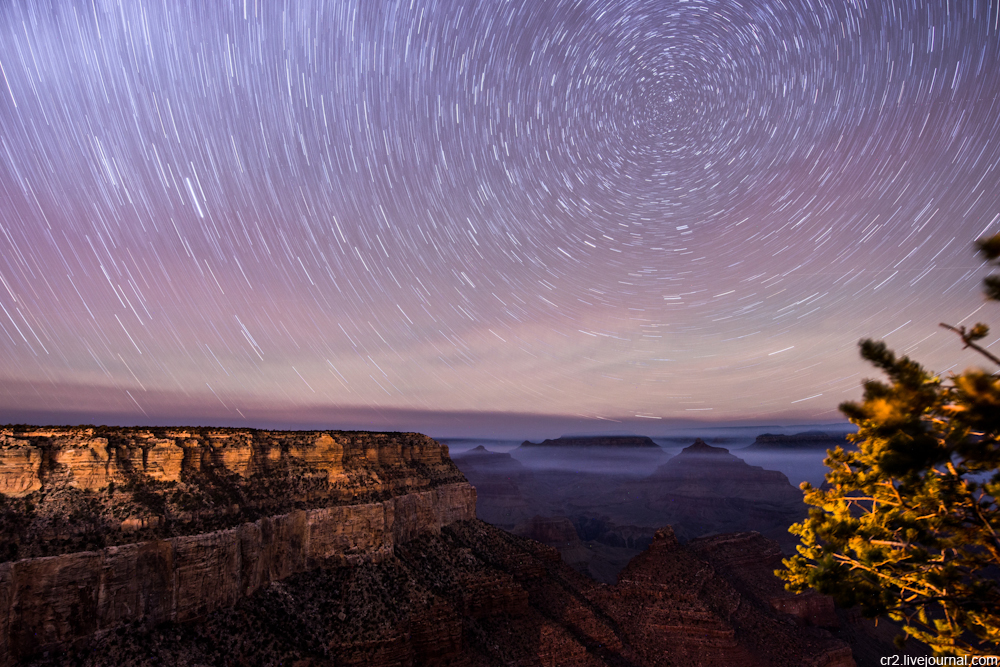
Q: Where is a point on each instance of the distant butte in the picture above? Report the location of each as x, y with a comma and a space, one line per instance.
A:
623, 441
701, 447
807, 440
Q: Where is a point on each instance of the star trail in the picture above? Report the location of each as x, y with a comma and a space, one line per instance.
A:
258, 212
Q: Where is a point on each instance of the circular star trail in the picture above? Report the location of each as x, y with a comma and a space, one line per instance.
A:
249, 212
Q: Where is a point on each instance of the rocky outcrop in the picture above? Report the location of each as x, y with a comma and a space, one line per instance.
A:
475, 595
107, 527
19, 468
558, 532
81, 489
689, 472
673, 600
92, 458
748, 561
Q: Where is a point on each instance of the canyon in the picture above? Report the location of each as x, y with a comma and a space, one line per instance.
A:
236, 546
617, 493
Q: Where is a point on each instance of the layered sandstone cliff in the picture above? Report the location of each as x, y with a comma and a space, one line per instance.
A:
64, 490
475, 595
91, 458
106, 527
319, 548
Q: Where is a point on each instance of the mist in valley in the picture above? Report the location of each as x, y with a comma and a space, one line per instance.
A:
600, 504
799, 465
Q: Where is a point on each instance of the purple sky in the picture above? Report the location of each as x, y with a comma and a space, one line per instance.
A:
436, 215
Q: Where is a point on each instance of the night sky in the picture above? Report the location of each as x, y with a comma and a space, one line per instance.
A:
409, 215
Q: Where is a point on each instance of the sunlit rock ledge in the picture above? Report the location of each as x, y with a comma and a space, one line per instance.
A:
71, 489
101, 527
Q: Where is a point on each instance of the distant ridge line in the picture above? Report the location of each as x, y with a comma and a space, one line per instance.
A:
622, 441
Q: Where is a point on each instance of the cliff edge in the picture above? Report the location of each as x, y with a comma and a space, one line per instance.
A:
104, 527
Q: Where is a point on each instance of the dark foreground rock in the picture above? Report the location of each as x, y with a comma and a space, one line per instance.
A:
475, 595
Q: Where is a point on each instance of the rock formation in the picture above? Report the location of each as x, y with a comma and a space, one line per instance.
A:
687, 474
705, 490
675, 606
558, 532
76, 489
748, 561
233, 546
472, 594
799, 441
106, 527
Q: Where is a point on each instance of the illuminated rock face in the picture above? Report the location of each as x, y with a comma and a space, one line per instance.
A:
19, 467
81, 489
91, 458
76, 489
112, 525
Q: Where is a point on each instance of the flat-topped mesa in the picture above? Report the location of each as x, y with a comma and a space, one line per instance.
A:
622, 441
806, 440
75, 488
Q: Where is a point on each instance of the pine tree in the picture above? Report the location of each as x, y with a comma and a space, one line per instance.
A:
908, 525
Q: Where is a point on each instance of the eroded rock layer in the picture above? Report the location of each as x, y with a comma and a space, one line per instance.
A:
50, 603
64, 490
474, 595
102, 527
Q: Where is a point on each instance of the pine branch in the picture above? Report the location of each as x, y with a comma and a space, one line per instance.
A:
966, 337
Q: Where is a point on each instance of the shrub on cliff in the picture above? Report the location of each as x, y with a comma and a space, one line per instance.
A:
908, 526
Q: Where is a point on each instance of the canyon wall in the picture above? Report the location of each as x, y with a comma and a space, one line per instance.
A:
345, 498
91, 458
475, 595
